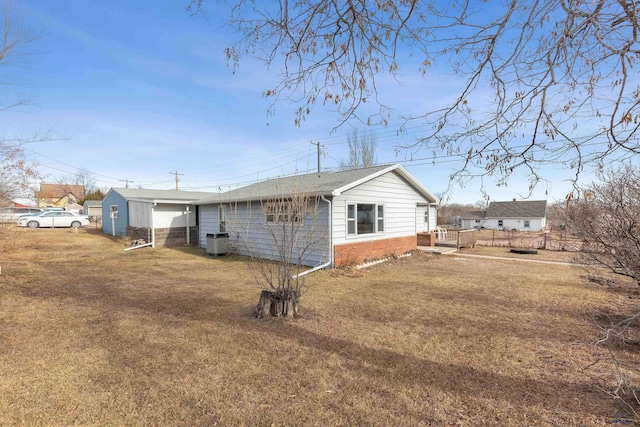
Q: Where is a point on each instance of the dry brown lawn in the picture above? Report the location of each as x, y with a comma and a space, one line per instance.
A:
93, 335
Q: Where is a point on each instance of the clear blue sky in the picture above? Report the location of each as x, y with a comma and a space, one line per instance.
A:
137, 89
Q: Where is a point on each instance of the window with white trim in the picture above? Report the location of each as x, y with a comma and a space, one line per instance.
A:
527, 223
113, 211
426, 215
500, 223
364, 218
284, 211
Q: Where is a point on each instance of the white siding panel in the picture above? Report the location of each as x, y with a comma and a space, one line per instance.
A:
171, 216
399, 198
421, 225
139, 214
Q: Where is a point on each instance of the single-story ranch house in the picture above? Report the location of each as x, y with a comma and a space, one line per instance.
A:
526, 215
160, 217
350, 216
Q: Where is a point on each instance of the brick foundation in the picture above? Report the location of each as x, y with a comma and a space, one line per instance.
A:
358, 253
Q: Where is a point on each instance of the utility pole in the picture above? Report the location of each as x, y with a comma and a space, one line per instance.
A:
317, 144
126, 182
176, 174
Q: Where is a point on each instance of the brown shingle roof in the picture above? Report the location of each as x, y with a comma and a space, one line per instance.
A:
58, 191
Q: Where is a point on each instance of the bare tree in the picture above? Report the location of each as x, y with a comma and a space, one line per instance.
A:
606, 218
281, 237
541, 82
84, 178
362, 151
17, 171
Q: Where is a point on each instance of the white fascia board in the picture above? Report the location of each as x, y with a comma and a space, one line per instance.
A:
401, 171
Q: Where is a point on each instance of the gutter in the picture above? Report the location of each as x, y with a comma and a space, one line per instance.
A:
330, 262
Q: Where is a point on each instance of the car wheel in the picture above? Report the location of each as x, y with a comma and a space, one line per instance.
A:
75, 224
33, 224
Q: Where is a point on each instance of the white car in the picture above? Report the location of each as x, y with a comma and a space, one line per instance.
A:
54, 219
12, 214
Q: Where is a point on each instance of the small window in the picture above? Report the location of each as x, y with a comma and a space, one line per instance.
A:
351, 220
284, 212
380, 219
113, 211
527, 224
222, 219
426, 216
271, 213
500, 223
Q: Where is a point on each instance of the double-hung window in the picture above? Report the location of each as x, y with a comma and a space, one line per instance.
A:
113, 211
364, 218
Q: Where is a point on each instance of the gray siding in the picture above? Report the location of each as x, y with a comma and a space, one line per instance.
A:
140, 214
249, 233
400, 200
120, 223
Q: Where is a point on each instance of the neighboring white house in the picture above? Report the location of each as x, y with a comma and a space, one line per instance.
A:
526, 215
161, 217
358, 215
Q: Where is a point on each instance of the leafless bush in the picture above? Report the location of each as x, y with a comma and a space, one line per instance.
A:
282, 237
606, 218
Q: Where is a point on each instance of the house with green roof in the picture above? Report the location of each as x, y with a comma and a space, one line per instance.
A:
352, 216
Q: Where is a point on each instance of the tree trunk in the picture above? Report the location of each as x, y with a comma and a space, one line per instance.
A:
276, 304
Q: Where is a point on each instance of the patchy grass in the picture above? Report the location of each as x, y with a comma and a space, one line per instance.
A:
91, 334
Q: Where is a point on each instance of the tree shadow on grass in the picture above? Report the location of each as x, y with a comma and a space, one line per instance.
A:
184, 306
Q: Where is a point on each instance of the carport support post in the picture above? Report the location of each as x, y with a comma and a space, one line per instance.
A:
153, 229
188, 234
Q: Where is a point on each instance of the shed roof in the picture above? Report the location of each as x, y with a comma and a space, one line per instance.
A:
517, 209
322, 184
168, 195
92, 203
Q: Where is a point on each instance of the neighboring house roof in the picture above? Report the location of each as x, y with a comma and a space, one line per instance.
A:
474, 215
321, 184
58, 191
160, 195
517, 209
92, 203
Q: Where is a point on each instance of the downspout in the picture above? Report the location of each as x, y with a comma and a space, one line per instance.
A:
330, 262
153, 229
